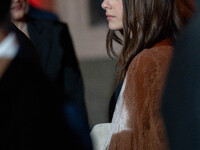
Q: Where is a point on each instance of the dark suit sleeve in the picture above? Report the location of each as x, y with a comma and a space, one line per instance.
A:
73, 82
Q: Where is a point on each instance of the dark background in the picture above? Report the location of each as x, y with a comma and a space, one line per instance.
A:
97, 13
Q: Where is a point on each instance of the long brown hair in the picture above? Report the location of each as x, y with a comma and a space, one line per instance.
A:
146, 22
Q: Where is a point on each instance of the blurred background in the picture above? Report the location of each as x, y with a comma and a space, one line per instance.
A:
88, 28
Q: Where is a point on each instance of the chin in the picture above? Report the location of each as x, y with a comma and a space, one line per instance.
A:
114, 27
18, 16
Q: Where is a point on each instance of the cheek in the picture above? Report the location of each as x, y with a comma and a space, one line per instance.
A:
115, 25
120, 11
120, 16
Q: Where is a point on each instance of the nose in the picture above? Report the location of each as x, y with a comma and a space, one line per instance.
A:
106, 4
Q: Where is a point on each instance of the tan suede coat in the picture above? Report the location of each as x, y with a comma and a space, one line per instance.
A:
137, 122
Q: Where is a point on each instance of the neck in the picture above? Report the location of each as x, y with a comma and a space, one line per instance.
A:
20, 24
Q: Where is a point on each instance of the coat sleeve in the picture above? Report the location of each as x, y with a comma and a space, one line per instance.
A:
71, 74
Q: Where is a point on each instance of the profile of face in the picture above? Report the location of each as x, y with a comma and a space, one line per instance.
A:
18, 9
114, 13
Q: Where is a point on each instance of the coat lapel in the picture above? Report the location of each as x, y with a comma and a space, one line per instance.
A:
40, 40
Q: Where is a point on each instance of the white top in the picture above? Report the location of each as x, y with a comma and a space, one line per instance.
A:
9, 46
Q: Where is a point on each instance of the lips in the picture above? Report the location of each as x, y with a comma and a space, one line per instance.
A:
16, 6
109, 17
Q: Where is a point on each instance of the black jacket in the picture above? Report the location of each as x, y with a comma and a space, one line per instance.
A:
54, 45
33, 112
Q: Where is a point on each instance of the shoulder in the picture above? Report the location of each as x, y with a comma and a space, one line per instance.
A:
148, 69
47, 24
150, 63
155, 55
27, 50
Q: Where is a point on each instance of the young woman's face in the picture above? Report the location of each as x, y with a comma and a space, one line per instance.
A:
18, 9
114, 13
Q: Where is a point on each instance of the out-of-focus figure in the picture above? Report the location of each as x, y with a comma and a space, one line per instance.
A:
54, 45
181, 99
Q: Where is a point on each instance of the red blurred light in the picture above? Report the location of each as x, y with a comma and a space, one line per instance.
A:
36, 3
43, 4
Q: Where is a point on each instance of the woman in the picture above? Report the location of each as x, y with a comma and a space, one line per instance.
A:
54, 45
148, 30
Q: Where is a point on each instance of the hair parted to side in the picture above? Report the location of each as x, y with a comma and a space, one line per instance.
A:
4, 11
146, 22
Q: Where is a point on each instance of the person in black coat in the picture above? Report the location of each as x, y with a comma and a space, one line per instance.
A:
34, 114
54, 45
